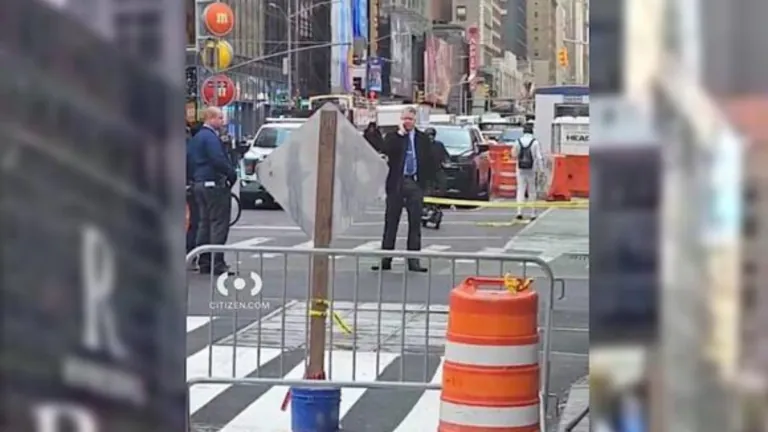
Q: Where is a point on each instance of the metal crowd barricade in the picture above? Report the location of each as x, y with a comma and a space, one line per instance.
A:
307, 254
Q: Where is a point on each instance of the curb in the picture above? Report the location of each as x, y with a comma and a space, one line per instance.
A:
576, 401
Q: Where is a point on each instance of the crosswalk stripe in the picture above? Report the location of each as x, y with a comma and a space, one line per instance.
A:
367, 246
253, 242
341, 368
487, 250
422, 416
237, 408
195, 322
430, 248
248, 360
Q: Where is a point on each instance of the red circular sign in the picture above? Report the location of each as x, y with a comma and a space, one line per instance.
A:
219, 19
218, 90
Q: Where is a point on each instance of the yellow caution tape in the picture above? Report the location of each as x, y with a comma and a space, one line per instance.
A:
322, 313
579, 204
517, 285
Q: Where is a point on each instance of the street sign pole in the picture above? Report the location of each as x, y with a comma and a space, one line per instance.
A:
326, 166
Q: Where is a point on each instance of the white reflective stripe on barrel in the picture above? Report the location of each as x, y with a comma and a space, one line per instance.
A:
490, 417
492, 355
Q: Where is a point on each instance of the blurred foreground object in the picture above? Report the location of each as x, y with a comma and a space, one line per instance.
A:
748, 115
92, 279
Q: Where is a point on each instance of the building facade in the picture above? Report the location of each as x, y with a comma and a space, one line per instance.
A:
261, 84
399, 31
312, 68
562, 73
515, 27
446, 67
487, 16
542, 39
508, 78
441, 11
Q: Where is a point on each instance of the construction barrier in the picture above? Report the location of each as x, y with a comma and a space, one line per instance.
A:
559, 185
578, 175
561, 178
503, 171
491, 369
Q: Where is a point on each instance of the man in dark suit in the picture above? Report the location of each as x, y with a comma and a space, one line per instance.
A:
212, 178
411, 169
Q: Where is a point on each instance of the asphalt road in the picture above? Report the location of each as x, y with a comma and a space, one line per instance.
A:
399, 322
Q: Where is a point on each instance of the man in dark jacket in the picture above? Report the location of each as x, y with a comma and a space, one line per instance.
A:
194, 217
213, 175
411, 171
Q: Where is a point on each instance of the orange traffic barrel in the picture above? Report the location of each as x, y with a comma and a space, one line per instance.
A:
491, 369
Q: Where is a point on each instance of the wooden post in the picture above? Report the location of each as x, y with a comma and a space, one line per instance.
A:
326, 166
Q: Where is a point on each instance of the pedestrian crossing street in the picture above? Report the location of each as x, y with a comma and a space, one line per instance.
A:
258, 408
462, 247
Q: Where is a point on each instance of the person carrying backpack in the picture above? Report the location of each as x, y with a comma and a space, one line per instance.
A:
528, 154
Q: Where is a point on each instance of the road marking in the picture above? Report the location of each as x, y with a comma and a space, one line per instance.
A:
306, 245
367, 246
422, 416
430, 248
266, 227
512, 240
487, 250
344, 362
194, 322
254, 242
248, 360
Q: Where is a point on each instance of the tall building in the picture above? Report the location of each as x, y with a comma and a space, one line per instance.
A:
575, 16
441, 11
559, 73
487, 16
401, 30
515, 27
542, 44
312, 68
445, 67
421, 8
255, 82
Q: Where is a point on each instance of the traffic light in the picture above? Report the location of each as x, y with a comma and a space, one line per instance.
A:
562, 57
420, 96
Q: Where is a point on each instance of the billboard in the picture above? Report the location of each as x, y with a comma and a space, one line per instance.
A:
401, 47
457, 66
438, 71
360, 19
341, 55
374, 74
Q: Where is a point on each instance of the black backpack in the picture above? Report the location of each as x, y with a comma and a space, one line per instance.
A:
525, 156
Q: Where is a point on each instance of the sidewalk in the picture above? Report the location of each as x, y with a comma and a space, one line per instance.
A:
578, 400
556, 232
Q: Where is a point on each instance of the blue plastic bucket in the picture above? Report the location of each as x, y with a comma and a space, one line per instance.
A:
315, 409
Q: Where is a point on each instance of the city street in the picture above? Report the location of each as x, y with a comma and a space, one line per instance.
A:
398, 319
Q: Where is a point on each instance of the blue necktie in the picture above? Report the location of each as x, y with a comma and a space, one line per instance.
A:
410, 157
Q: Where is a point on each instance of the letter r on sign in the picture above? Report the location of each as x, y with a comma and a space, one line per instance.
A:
60, 417
99, 281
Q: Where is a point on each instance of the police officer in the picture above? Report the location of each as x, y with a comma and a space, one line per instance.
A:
213, 175
191, 203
